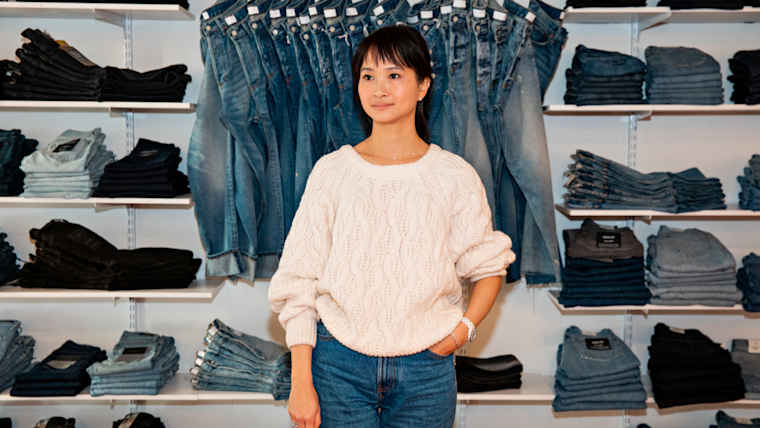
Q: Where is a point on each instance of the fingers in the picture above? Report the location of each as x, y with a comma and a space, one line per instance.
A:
318, 420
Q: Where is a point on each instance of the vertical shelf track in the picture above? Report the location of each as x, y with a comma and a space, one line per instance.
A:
461, 412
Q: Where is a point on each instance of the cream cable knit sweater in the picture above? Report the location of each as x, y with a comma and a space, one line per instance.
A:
377, 252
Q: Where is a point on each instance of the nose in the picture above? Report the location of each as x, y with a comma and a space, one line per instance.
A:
381, 88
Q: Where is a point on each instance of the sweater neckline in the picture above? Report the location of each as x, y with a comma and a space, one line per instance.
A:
391, 171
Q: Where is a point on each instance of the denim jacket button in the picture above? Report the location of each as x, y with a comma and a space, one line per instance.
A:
379, 22
477, 28
351, 28
306, 37
234, 33
255, 25
275, 32
425, 28
332, 29
293, 29
208, 28
314, 26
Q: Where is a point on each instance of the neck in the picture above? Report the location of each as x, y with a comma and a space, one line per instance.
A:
394, 140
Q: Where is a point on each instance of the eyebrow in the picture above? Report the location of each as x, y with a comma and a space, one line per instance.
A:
395, 67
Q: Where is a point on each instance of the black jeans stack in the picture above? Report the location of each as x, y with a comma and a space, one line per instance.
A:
50, 72
13, 148
702, 4
606, 3
150, 171
5, 423
687, 367
56, 422
600, 77
695, 192
749, 197
748, 281
62, 373
488, 374
139, 420
746, 78
72, 256
604, 266
8, 266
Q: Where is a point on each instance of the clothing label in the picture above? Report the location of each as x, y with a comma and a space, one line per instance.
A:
607, 227
677, 330
378, 10
588, 333
460, 4
743, 421
330, 13
753, 346
198, 362
63, 362
75, 54
479, 13
213, 331
608, 239
291, 13
128, 420
130, 355
499, 16
530, 17
146, 153
351, 11
274, 14
65, 147
602, 344
237, 333
413, 19
231, 19
42, 424
86, 238
201, 354
205, 15
253, 10
313, 11
562, 16
446, 9
426, 14
194, 370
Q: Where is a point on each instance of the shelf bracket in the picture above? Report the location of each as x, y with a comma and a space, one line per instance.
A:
109, 17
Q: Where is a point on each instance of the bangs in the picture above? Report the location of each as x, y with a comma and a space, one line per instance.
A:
382, 49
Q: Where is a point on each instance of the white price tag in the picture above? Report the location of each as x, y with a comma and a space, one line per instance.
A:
213, 331
677, 330
460, 4
274, 14
378, 10
562, 16
201, 354
588, 333
290, 13
446, 9
198, 362
351, 11
499, 16
313, 11
530, 17
426, 14
230, 20
304, 20
479, 13
205, 15
330, 13
753, 346
194, 370
253, 10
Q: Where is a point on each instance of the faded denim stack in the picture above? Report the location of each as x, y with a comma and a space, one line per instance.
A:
600, 77
16, 352
680, 75
749, 197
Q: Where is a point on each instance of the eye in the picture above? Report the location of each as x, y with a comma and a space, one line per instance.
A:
367, 77
395, 76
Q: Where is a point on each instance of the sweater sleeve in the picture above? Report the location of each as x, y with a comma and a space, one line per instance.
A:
293, 288
479, 251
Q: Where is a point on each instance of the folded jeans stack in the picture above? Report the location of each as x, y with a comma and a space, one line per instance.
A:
598, 183
13, 147
56, 422
748, 281
72, 256
695, 192
8, 266
62, 373
702, 4
149, 171
686, 367
16, 352
690, 267
746, 353
725, 421
605, 3
680, 75
600, 77
746, 78
235, 361
167, 84
140, 364
139, 420
749, 197
5, 423
604, 266
488, 374
597, 371
69, 167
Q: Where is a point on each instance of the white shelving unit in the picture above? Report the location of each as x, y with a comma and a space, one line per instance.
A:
645, 309
203, 289
731, 213
95, 106
101, 11
643, 111
647, 17
184, 201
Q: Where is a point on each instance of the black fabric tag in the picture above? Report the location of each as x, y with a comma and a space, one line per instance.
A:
65, 147
132, 354
86, 238
608, 239
601, 344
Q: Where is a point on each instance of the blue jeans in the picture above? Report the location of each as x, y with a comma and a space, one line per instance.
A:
72, 151
725, 421
17, 359
548, 38
679, 61
154, 347
433, 33
690, 250
262, 351
357, 391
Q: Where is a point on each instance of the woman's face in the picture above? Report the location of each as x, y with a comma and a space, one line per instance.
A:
389, 93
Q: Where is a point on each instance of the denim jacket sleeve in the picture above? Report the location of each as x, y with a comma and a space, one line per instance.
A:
293, 288
478, 250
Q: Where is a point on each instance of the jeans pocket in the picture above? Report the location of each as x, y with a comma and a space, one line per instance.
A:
323, 334
435, 356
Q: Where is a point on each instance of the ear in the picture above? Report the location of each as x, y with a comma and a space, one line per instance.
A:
424, 87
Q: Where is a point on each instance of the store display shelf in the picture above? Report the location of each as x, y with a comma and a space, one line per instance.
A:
94, 106
645, 309
737, 403
707, 16
536, 388
101, 11
184, 201
646, 110
203, 289
731, 213
651, 16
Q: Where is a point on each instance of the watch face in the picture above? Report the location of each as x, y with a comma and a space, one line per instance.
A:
472, 336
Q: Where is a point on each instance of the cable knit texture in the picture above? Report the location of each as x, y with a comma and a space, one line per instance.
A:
379, 252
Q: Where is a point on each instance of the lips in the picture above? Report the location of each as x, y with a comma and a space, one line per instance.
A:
381, 106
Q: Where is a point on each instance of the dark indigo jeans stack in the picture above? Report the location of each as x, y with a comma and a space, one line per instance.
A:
62, 373
13, 148
597, 371
749, 197
598, 183
702, 4
149, 171
56, 422
748, 281
746, 78
47, 71
72, 256
749, 360
604, 266
606, 3
686, 367
680, 75
139, 420
600, 77
488, 374
8, 266
695, 192
5, 423
725, 421
690, 267
235, 361
16, 352
69, 167
140, 364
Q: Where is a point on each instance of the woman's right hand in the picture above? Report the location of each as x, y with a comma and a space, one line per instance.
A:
303, 405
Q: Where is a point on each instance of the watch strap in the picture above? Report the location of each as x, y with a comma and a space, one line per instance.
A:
470, 328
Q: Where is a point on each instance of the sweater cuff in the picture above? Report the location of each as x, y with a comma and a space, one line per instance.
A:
302, 330
475, 279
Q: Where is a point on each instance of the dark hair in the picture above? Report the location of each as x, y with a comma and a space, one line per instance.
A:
403, 46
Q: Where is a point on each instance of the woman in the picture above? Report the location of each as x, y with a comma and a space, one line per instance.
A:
368, 287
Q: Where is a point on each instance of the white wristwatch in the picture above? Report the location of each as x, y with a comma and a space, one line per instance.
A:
471, 330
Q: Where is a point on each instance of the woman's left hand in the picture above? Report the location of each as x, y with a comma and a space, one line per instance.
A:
447, 346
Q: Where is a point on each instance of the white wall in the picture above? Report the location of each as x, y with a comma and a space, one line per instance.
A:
523, 322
